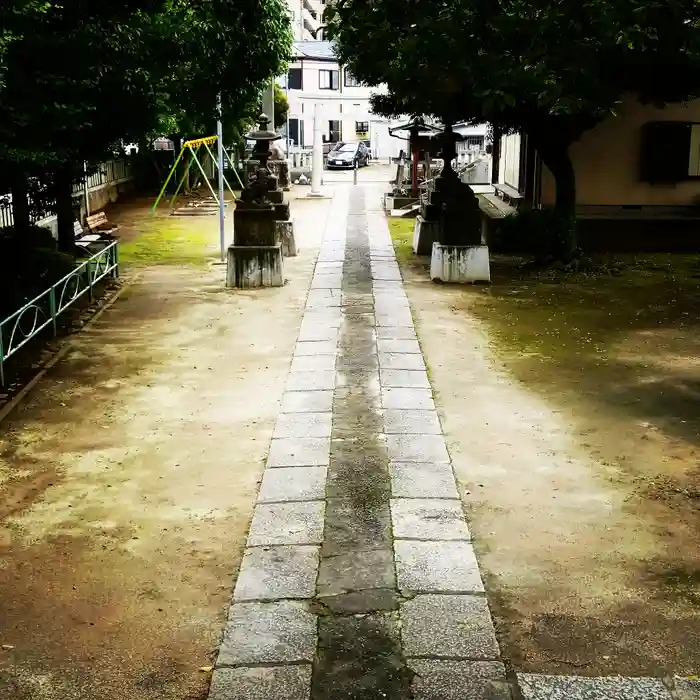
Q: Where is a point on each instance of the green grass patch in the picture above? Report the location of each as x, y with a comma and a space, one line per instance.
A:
170, 240
401, 231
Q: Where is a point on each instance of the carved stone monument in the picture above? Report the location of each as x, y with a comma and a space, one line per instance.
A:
458, 254
260, 223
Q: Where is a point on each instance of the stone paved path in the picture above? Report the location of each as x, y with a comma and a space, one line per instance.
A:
359, 580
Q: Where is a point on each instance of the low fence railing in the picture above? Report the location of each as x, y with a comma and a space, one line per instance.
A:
44, 310
111, 172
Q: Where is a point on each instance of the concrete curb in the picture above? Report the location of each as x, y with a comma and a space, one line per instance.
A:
10, 406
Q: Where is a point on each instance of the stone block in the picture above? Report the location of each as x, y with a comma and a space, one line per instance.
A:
437, 567
543, 687
408, 378
451, 626
460, 264
293, 484
425, 233
268, 633
287, 523
356, 571
261, 683
249, 267
427, 480
458, 680
416, 448
400, 398
299, 452
415, 422
254, 227
285, 236
307, 401
277, 573
428, 519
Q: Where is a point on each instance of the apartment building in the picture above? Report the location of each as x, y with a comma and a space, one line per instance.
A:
316, 78
307, 19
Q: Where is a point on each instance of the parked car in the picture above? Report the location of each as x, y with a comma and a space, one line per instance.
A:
348, 155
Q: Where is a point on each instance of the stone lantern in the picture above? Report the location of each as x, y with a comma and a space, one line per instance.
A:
458, 253
262, 230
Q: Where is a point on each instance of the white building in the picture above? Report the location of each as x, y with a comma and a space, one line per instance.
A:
316, 78
307, 19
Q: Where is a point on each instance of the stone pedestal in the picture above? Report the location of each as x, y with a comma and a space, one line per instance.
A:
425, 233
284, 231
460, 264
254, 266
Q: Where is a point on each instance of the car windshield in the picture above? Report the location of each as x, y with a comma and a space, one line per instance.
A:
346, 148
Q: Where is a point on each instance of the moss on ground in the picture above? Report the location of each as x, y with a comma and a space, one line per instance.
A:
401, 231
171, 240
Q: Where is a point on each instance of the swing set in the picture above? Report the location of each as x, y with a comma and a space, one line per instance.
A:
194, 147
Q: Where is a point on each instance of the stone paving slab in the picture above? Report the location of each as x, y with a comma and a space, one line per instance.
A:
310, 424
293, 484
299, 452
275, 573
542, 687
687, 688
428, 519
287, 523
268, 633
422, 480
356, 571
408, 399
303, 401
417, 448
409, 379
397, 333
262, 683
401, 345
312, 348
319, 333
415, 422
401, 360
442, 567
328, 281
315, 380
449, 626
310, 363
459, 680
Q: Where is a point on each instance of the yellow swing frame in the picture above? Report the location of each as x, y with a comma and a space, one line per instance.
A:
193, 146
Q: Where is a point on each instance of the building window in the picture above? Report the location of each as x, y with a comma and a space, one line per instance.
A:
361, 129
294, 79
670, 152
328, 79
334, 131
351, 80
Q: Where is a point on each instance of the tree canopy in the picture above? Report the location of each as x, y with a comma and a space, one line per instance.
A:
549, 68
78, 79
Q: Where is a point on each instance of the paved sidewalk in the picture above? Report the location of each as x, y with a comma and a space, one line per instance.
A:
359, 580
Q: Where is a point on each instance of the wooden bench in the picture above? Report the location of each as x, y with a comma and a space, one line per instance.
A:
508, 194
97, 223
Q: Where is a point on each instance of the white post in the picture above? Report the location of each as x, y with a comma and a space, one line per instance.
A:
222, 205
86, 190
317, 157
269, 104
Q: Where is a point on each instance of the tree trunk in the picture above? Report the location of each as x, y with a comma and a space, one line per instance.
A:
20, 201
556, 158
63, 181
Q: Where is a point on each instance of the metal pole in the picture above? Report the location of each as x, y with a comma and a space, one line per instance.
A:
354, 174
222, 204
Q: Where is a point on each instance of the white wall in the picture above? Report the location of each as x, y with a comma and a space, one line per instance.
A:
346, 104
509, 161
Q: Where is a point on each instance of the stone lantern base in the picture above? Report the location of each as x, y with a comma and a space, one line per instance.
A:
425, 233
251, 266
461, 264
284, 234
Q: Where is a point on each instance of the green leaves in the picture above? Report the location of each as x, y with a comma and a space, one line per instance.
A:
533, 65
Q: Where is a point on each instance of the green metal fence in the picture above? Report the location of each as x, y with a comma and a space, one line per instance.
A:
42, 311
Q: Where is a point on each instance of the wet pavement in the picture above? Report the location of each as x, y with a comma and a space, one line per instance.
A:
359, 579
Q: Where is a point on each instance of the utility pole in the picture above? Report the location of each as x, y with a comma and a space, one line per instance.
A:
220, 155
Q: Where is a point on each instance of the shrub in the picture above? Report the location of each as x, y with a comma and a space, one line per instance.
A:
29, 264
539, 232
